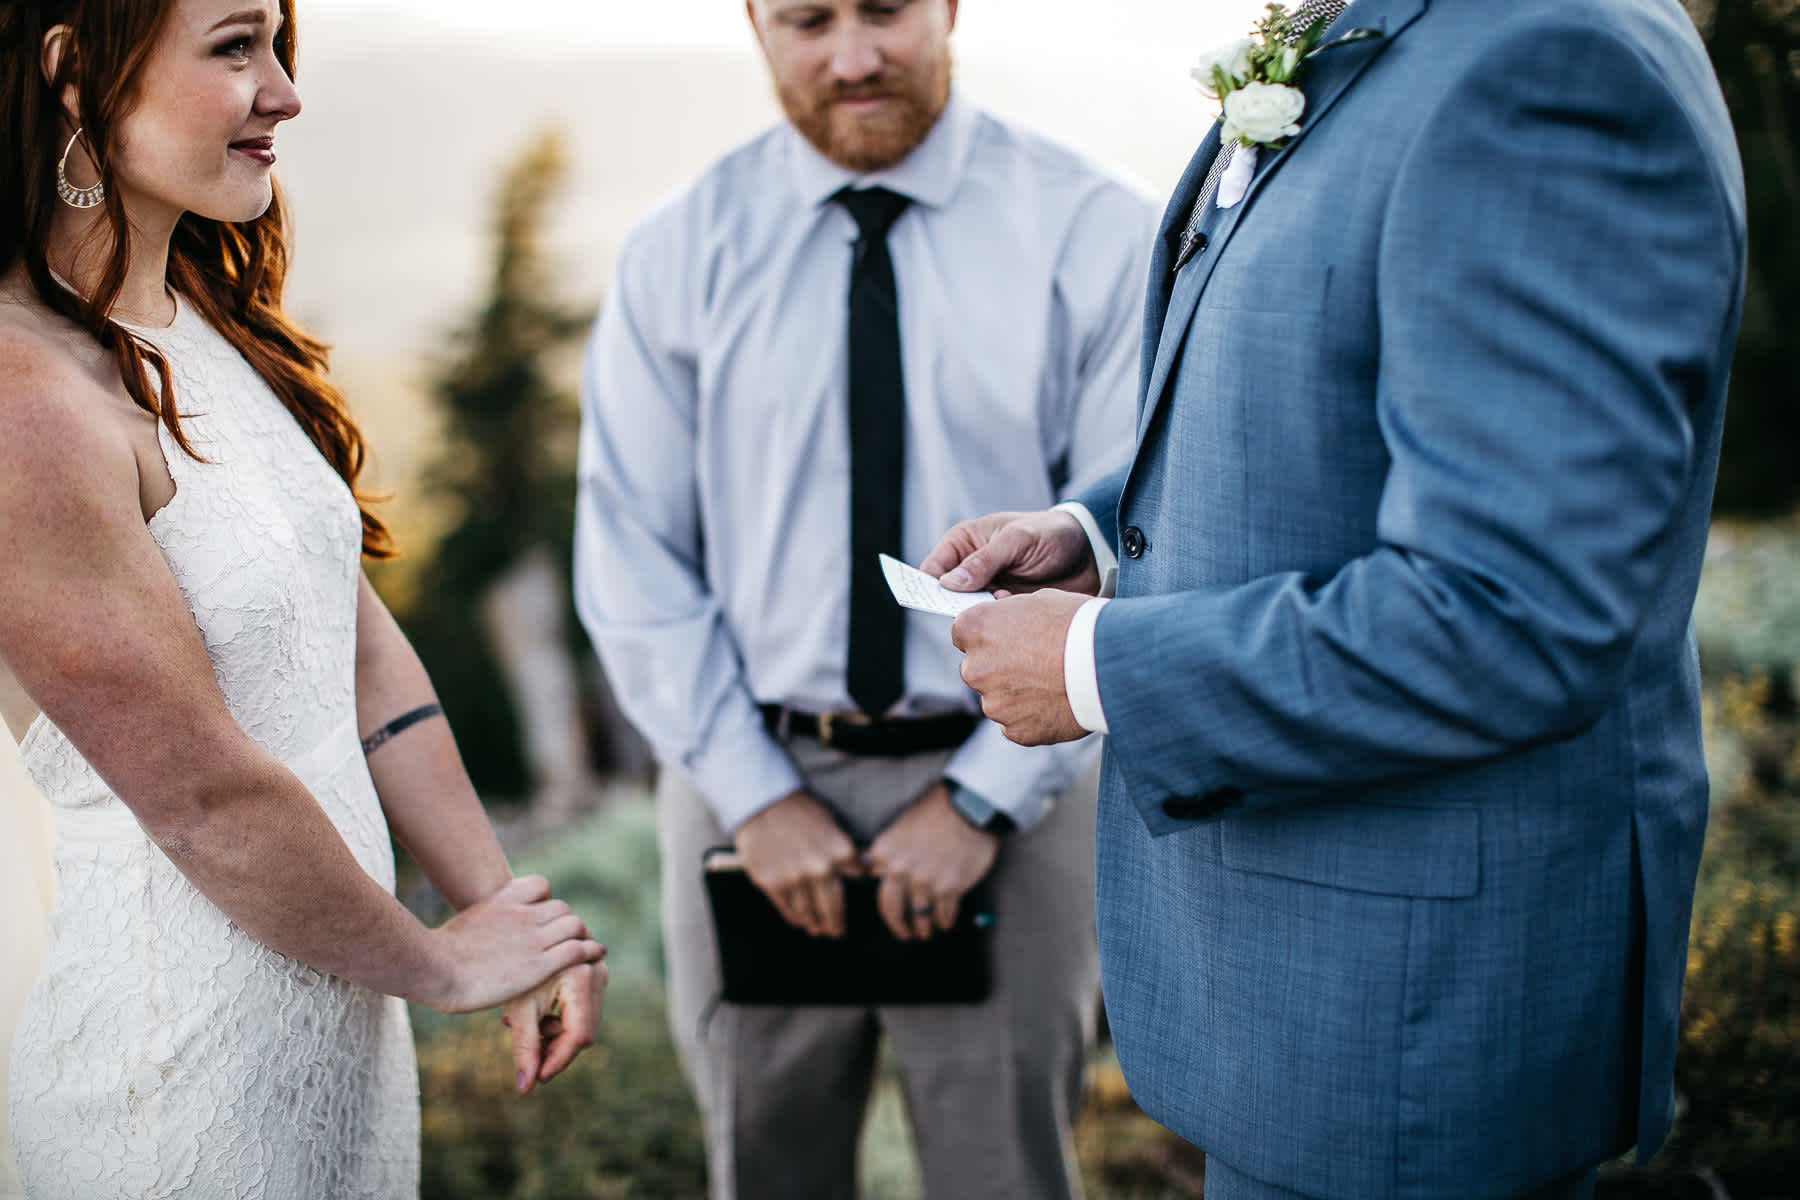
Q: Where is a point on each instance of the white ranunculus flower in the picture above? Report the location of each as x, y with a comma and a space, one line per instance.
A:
1233, 59
1261, 113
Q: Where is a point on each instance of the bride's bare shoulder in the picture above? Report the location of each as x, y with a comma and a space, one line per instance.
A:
61, 428
36, 335
53, 381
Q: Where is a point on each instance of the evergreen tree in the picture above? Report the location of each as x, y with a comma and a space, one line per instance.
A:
508, 459
1755, 48
505, 471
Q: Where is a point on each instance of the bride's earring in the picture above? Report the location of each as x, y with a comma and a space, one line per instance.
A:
74, 197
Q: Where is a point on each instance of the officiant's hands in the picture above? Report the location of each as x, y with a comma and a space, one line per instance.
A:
796, 852
1014, 552
1013, 655
928, 859
555, 1022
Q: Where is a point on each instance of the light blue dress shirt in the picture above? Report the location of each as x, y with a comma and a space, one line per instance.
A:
712, 529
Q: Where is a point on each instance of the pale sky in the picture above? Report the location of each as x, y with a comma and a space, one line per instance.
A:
1158, 34
412, 106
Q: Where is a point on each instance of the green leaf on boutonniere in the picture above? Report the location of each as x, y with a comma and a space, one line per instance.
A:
1255, 79
1315, 33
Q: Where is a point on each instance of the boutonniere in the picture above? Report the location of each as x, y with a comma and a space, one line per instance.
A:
1253, 80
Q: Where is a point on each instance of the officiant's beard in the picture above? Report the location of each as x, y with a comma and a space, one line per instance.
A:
878, 140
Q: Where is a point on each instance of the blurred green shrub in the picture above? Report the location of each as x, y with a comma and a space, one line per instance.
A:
1748, 610
1738, 1069
503, 472
1737, 1073
618, 1125
1755, 48
1124, 1155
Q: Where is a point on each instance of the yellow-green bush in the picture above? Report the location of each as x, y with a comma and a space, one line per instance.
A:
621, 1125
1738, 1069
618, 1125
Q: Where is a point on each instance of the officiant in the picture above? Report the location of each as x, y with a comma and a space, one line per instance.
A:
889, 312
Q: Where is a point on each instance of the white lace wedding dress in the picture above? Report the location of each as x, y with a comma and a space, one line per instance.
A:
162, 1052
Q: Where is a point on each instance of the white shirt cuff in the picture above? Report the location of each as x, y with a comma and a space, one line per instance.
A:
1105, 561
1081, 679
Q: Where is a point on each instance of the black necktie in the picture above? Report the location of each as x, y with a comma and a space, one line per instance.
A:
876, 669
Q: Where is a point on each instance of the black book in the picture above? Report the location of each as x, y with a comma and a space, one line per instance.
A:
764, 960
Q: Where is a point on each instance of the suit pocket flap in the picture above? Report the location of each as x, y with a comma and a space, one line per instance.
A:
1430, 852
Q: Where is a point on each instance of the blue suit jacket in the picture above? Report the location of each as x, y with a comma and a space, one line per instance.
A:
1404, 794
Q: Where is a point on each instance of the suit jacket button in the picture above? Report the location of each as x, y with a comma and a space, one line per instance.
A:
1132, 542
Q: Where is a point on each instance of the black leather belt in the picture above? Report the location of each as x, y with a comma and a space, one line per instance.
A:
881, 737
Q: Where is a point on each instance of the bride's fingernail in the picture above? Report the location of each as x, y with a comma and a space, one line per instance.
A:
522, 1081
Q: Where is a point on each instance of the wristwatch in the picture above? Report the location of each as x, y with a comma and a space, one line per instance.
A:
974, 808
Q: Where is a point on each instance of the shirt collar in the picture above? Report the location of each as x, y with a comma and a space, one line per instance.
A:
929, 175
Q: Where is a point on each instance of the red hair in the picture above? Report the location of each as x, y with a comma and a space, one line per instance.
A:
231, 274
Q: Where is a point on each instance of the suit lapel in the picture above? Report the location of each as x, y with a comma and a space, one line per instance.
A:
1327, 78
1168, 241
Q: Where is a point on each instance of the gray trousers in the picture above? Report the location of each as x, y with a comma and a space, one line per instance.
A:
991, 1090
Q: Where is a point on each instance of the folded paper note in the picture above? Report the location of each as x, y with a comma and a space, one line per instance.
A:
915, 589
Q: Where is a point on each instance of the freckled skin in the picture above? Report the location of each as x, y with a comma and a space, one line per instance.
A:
94, 631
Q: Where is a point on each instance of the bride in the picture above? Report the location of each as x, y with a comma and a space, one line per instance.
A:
225, 719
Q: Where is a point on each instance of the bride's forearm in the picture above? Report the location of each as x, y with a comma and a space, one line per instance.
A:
431, 806
258, 846
101, 638
435, 814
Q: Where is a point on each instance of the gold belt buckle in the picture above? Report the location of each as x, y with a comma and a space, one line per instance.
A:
830, 721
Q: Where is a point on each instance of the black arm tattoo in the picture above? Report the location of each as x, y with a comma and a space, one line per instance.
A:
399, 725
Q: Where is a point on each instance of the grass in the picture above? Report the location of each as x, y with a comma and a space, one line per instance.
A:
620, 1124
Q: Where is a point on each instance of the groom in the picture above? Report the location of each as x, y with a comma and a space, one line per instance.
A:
1403, 794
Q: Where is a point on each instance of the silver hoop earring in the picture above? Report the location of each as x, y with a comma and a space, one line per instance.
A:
74, 197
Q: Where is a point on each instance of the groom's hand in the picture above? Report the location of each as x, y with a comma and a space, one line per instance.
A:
797, 854
1013, 655
1015, 552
